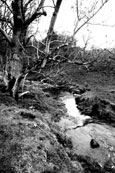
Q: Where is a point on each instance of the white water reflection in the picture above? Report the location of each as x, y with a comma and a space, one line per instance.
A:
73, 111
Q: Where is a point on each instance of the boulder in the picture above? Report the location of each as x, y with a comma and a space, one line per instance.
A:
97, 108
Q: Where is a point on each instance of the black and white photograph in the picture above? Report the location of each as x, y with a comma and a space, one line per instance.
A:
57, 86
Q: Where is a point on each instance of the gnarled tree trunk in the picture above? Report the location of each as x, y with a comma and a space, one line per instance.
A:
20, 23
14, 64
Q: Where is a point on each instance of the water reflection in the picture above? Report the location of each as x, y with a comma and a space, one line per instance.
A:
81, 137
73, 111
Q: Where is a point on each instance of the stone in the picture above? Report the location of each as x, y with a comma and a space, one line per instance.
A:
94, 144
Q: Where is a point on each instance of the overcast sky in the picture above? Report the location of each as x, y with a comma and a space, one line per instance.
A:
100, 36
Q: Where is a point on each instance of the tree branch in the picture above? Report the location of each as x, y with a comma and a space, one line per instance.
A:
77, 9
3, 19
53, 3
89, 18
4, 1
98, 24
25, 7
36, 14
6, 36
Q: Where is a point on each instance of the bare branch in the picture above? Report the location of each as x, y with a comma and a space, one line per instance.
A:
36, 48
111, 54
98, 24
89, 18
5, 35
41, 5
54, 3
50, 31
4, 19
36, 14
77, 9
27, 4
4, 1
81, 63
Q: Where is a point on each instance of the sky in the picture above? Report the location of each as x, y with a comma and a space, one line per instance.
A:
99, 36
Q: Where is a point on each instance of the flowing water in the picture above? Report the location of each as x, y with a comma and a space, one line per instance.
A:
81, 135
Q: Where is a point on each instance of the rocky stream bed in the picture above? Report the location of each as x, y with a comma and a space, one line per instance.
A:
56, 129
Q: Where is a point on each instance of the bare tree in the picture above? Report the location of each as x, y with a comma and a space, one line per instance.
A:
50, 31
84, 14
21, 14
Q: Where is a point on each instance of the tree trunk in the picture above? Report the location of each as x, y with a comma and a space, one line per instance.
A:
50, 32
14, 65
14, 68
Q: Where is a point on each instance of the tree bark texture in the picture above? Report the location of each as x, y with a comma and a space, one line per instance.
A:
14, 64
50, 32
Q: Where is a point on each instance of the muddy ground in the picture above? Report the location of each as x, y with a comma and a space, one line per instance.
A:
30, 139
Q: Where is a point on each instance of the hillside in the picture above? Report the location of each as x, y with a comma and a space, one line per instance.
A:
31, 140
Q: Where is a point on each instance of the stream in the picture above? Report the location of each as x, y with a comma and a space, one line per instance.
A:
81, 134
